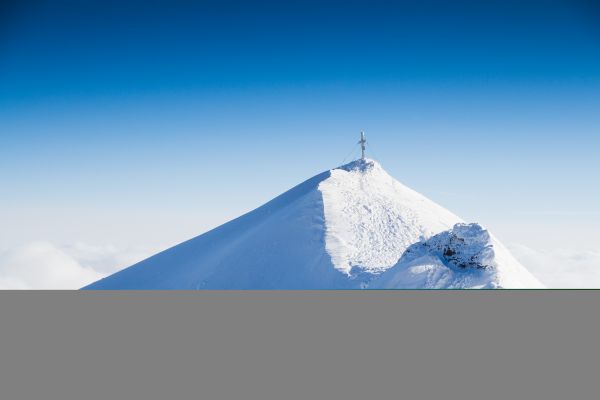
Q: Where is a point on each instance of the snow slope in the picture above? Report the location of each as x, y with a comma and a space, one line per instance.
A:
466, 256
371, 218
342, 229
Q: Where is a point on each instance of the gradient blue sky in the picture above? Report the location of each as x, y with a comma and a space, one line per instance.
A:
146, 123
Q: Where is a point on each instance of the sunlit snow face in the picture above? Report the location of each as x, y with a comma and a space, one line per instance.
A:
371, 218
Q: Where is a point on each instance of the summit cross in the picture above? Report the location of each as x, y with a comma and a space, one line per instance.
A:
362, 143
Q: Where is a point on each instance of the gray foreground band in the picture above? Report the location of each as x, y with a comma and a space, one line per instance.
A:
300, 345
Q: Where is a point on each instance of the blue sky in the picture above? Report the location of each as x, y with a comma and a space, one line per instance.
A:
149, 122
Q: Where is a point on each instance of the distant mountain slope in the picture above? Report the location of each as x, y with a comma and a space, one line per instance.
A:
343, 229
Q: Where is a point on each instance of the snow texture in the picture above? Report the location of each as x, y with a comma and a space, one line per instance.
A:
371, 218
465, 257
349, 228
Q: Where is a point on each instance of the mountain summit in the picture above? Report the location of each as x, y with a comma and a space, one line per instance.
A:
348, 228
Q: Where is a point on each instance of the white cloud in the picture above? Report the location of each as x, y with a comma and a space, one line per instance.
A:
560, 268
106, 259
42, 265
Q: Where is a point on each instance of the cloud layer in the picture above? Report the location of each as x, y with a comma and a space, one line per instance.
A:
560, 268
42, 265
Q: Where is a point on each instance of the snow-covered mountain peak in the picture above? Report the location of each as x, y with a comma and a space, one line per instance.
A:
354, 226
361, 165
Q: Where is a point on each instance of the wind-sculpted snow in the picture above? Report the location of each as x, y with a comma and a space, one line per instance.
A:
371, 218
347, 228
466, 256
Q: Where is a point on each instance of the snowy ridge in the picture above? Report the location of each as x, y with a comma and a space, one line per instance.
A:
280, 245
349, 228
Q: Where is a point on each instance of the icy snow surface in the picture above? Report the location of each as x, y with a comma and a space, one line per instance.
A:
371, 218
342, 229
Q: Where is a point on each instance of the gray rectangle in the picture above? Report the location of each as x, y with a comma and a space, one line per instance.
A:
300, 345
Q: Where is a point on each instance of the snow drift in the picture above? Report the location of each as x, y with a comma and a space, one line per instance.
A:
352, 227
371, 218
466, 256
